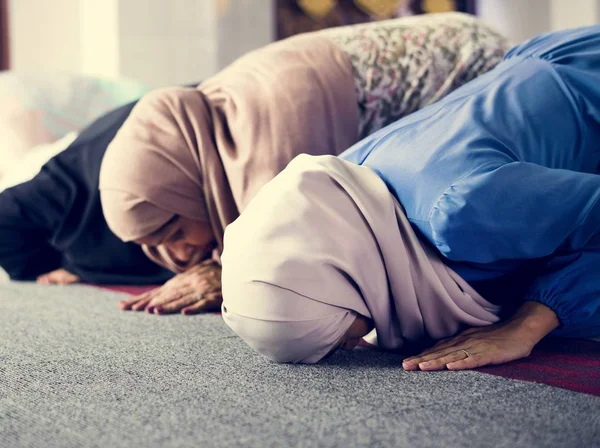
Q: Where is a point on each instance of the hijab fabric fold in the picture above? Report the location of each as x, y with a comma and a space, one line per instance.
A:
326, 241
204, 153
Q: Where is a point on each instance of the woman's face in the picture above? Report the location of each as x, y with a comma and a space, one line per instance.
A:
361, 327
184, 239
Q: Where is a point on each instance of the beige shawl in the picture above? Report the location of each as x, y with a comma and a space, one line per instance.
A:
341, 246
204, 153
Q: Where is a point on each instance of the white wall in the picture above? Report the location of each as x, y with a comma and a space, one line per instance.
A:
44, 35
573, 13
168, 42
159, 42
523, 19
239, 19
99, 37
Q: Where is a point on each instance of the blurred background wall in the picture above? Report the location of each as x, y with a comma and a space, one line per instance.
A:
523, 19
162, 42
159, 42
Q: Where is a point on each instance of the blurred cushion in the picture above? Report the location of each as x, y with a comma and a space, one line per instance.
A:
42, 108
29, 165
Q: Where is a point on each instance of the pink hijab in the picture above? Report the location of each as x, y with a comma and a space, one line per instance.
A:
323, 242
204, 153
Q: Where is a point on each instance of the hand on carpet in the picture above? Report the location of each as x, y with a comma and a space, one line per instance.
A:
194, 291
58, 277
495, 344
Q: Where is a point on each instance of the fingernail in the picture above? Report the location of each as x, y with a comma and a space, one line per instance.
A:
158, 310
150, 309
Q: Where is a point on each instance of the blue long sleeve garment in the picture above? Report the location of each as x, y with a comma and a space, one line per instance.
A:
502, 176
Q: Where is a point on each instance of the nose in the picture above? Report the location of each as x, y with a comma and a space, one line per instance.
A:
181, 251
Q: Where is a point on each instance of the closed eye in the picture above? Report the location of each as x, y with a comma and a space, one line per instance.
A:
175, 237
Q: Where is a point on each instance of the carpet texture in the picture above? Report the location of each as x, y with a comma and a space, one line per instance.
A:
572, 364
76, 371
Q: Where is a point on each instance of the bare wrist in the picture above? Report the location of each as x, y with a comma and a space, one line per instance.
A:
535, 321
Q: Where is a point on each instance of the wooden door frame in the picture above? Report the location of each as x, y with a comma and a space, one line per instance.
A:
4, 36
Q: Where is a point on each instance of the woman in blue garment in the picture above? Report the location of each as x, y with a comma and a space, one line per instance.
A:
502, 178
512, 197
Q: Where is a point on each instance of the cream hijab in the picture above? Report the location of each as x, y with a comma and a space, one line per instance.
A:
204, 153
323, 242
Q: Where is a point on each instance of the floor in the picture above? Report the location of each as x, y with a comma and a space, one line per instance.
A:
76, 371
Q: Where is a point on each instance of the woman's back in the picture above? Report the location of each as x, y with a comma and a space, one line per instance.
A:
55, 220
532, 117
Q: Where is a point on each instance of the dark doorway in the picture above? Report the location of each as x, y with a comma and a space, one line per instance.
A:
4, 56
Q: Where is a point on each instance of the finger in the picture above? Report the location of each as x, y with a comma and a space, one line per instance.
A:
470, 362
176, 305
43, 279
140, 305
205, 287
126, 304
48, 279
440, 363
440, 345
53, 280
204, 305
170, 296
68, 279
414, 363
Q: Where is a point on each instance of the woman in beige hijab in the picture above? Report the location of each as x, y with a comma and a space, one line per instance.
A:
187, 161
486, 240
340, 259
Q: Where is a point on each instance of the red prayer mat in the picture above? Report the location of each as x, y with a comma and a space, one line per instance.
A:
133, 290
572, 364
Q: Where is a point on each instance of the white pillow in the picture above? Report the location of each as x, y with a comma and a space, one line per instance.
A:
41, 108
24, 168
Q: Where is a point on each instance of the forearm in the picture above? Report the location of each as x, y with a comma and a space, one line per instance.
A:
570, 286
533, 321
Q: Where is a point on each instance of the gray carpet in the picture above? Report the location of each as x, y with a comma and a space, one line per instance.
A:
76, 371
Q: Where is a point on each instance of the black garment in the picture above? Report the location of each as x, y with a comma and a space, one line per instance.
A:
55, 220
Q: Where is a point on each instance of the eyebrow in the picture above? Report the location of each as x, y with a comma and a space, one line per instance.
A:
158, 233
173, 236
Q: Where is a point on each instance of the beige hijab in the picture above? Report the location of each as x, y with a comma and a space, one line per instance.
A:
324, 242
204, 153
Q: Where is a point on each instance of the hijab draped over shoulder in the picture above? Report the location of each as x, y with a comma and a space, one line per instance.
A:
334, 243
203, 153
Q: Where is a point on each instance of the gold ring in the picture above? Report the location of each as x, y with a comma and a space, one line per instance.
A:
466, 352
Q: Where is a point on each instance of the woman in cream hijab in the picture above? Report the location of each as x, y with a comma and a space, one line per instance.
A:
500, 211
335, 258
188, 161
